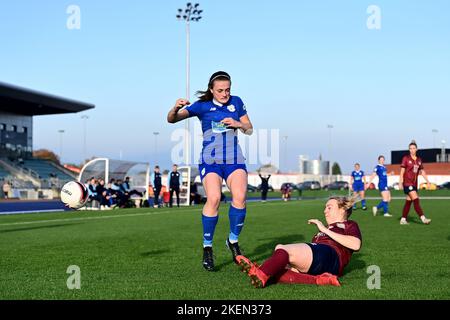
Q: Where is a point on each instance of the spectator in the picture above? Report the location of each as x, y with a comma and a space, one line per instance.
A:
6, 189
92, 188
156, 181
264, 187
127, 188
118, 191
151, 195
104, 195
175, 180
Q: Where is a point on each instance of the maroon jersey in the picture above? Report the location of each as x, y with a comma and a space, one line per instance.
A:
348, 228
412, 170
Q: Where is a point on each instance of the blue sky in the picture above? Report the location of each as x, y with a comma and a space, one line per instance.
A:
298, 66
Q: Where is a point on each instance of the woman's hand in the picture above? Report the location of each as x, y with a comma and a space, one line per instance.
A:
180, 103
231, 123
319, 225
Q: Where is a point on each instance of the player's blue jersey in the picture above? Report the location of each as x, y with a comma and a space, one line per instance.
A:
358, 177
220, 144
382, 175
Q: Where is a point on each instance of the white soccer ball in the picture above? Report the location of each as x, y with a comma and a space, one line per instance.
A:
74, 194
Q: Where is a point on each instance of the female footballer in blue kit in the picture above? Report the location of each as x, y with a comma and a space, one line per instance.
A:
221, 114
357, 185
381, 172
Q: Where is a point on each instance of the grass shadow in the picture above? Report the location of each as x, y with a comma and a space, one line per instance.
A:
356, 263
39, 227
266, 249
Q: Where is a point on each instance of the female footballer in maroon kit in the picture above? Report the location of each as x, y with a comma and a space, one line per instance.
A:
411, 167
319, 262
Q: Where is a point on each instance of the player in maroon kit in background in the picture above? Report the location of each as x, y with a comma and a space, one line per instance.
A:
411, 167
319, 262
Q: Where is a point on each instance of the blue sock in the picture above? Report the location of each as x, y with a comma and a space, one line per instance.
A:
385, 206
380, 205
237, 217
209, 225
363, 202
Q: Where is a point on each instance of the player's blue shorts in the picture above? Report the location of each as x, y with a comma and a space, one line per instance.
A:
409, 189
383, 187
325, 259
223, 170
357, 187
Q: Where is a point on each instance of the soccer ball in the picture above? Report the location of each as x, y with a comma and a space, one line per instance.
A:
74, 194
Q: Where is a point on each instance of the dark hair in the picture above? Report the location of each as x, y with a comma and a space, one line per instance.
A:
207, 95
156, 167
357, 164
413, 143
381, 156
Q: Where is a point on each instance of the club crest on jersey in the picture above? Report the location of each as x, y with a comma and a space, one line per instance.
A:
231, 108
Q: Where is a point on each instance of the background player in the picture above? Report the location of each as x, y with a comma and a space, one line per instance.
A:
221, 114
411, 167
357, 181
381, 172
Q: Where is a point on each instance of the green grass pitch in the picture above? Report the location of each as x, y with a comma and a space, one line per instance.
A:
156, 254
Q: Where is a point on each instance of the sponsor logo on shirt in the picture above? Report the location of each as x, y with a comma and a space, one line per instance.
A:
219, 127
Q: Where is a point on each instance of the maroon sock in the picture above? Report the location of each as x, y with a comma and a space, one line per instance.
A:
276, 263
290, 276
406, 209
417, 207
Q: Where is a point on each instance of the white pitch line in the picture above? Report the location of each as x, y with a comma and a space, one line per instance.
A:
81, 218
5, 213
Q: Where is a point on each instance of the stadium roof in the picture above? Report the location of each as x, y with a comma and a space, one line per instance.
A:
18, 100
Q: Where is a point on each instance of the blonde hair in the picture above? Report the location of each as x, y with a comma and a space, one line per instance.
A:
345, 203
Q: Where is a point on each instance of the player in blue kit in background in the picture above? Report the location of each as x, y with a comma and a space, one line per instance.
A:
381, 172
221, 115
357, 182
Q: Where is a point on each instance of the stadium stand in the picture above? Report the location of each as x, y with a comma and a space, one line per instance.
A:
3, 173
46, 170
